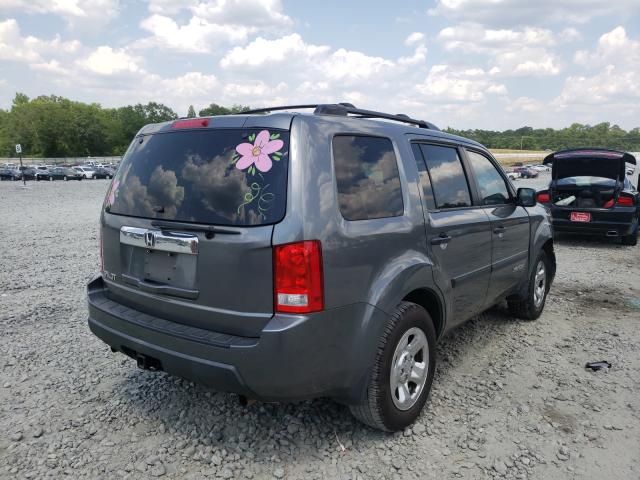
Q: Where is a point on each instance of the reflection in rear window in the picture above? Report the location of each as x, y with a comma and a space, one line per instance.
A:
220, 177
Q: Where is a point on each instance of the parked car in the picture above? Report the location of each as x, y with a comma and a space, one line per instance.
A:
103, 172
540, 168
86, 171
64, 173
630, 170
41, 172
513, 175
590, 194
10, 173
29, 173
526, 172
285, 256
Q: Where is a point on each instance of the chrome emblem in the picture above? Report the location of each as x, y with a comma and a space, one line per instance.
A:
150, 239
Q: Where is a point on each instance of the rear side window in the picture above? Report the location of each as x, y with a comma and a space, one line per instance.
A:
448, 180
232, 177
493, 188
367, 177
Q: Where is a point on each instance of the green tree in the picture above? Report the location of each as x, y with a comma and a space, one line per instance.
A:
191, 113
215, 109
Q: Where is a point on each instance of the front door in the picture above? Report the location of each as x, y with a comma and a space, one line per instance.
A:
509, 226
458, 233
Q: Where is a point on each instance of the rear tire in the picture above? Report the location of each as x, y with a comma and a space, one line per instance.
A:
531, 306
402, 372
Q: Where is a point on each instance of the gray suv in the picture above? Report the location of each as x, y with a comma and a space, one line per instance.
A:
284, 256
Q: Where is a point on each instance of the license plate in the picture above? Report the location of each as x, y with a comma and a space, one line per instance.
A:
580, 217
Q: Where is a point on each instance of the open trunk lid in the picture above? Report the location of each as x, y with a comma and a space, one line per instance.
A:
589, 163
188, 220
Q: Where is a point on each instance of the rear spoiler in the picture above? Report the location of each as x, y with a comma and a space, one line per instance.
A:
602, 153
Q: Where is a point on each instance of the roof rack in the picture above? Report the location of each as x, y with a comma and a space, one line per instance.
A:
345, 109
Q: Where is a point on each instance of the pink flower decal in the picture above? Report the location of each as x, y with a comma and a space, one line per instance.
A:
257, 154
112, 192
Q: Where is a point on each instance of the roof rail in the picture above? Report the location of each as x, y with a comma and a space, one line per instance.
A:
345, 109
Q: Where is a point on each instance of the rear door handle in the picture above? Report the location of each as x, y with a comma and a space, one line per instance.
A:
499, 229
440, 239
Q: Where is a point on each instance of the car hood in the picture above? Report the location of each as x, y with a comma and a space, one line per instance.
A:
589, 162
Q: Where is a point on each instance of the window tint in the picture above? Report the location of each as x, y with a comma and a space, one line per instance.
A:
449, 182
493, 188
367, 177
425, 181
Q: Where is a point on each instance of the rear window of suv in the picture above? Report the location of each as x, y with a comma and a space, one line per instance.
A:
235, 177
367, 177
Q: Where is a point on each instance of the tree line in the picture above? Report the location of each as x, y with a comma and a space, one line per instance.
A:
52, 126
577, 135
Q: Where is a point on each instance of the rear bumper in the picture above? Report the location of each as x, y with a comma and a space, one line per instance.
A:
327, 354
595, 228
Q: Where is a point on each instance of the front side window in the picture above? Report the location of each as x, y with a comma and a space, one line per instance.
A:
448, 179
493, 188
367, 177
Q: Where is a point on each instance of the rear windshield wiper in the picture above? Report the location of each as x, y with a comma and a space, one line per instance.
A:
209, 230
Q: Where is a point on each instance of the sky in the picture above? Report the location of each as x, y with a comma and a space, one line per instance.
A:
490, 64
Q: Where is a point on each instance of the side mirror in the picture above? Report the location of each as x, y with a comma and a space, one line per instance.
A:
526, 197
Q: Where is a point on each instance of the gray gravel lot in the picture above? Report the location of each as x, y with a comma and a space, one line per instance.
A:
511, 399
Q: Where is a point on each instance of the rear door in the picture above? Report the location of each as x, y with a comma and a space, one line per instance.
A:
458, 232
188, 223
509, 225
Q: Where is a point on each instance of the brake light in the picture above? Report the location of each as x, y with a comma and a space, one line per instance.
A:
191, 123
608, 204
543, 197
298, 279
625, 201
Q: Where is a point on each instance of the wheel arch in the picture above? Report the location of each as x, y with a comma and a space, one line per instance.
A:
432, 303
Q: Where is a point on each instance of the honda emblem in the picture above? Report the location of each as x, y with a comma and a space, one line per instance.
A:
150, 239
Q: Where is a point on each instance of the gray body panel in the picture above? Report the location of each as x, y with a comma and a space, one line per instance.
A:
228, 336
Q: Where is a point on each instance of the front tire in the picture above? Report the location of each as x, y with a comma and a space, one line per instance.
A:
530, 307
402, 372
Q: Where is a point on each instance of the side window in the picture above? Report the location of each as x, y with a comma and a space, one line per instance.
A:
493, 188
367, 177
425, 180
448, 180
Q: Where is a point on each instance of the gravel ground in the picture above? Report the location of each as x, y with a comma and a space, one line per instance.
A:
510, 399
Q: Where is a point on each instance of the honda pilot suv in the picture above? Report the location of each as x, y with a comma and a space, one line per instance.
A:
284, 255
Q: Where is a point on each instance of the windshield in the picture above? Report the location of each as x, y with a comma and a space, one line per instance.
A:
212, 176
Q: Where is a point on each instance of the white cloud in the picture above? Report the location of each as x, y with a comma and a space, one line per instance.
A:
526, 62
13, 46
212, 23
518, 12
446, 84
105, 60
613, 47
83, 14
419, 57
246, 13
474, 38
525, 104
197, 36
265, 52
512, 52
303, 58
414, 38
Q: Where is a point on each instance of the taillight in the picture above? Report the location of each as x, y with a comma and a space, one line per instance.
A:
543, 197
625, 201
298, 281
191, 123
